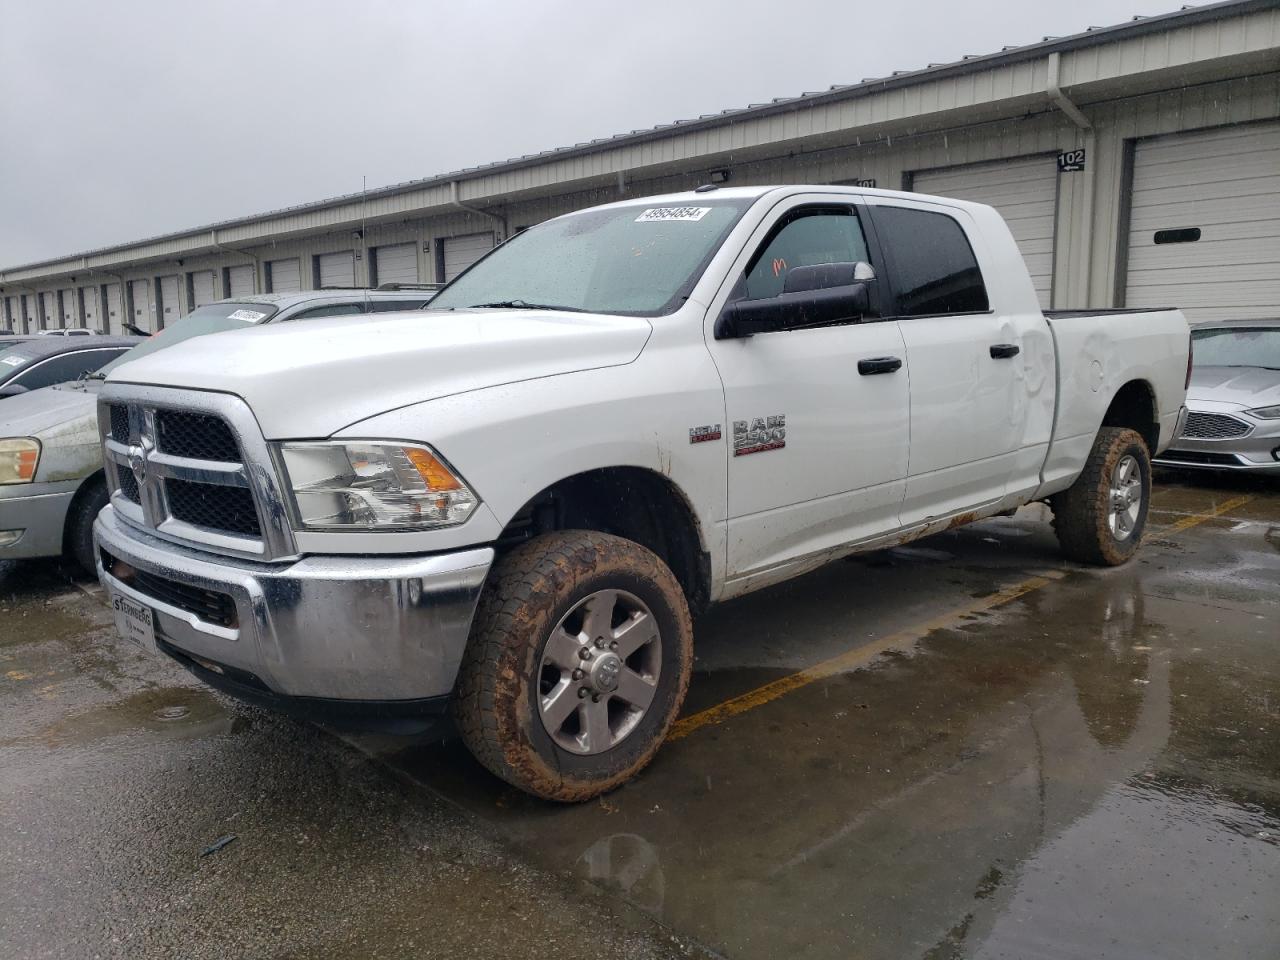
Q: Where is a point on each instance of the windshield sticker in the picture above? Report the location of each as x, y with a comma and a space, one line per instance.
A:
662, 214
248, 316
13, 361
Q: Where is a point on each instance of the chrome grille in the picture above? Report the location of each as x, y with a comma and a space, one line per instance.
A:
193, 467
1213, 426
195, 435
120, 422
129, 487
229, 509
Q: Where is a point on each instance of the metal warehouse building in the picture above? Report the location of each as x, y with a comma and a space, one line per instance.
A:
1137, 164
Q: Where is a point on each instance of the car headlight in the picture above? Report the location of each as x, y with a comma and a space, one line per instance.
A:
1267, 413
19, 458
374, 485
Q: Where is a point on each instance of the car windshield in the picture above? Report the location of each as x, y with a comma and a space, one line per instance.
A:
212, 318
1237, 347
635, 260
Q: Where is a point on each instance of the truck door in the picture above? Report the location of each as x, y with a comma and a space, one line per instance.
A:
817, 448
969, 384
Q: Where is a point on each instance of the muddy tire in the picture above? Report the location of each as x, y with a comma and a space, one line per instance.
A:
578, 661
1101, 517
78, 533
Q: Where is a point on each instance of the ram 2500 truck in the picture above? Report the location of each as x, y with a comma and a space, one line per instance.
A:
510, 504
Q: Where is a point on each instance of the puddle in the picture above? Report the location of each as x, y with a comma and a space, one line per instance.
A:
168, 712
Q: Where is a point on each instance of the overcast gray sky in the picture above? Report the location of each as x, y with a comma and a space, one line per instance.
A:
128, 119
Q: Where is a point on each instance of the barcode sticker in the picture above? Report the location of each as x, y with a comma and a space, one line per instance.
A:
249, 316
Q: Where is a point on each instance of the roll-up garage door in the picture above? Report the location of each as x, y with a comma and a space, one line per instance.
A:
1204, 223
204, 288
140, 294
1025, 192
13, 314
92, 312
336, 269
49, 307
114, 320
70, 309
170, 307
31, 310
462, 252
284, 276
396, 264
240, 281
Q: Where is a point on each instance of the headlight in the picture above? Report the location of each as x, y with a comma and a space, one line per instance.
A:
19, 458
374, 485
1267, 413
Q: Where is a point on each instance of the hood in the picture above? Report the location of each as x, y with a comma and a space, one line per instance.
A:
36, 413
314, 377
1247, 386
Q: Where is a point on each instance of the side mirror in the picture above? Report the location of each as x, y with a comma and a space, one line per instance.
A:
815, 296
827, 276
12, 390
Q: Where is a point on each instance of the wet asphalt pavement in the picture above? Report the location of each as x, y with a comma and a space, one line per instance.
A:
962, 748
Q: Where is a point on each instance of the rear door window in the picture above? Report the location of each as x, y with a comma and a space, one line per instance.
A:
934, 268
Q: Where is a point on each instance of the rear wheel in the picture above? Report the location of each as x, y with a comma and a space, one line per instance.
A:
578, 662
78, 535
1101, 517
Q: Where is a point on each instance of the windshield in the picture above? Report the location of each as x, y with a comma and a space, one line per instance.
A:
634, 260
1237, 347
212, 318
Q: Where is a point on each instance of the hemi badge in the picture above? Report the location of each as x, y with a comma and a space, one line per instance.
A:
703, 434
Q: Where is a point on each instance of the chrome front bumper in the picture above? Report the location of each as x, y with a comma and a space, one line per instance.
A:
330, 627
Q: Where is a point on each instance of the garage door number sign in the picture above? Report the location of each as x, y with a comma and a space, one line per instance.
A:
1071, 161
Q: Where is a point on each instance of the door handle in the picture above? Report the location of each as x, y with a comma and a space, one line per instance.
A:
1003, 351
876, 365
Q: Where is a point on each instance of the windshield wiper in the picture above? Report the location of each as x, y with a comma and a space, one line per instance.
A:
522, 305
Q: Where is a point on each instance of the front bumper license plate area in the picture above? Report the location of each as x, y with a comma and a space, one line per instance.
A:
134, 621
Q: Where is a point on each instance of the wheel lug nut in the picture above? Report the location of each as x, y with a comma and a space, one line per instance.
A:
613, 645
585, 653
600, 643
578, 674
582, 693
595, 698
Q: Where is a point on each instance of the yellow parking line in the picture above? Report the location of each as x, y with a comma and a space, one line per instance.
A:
1186, 523
852, 659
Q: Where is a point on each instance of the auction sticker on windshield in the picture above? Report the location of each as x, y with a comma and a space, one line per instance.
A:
249, 316
663, 214
134, 621
13, 361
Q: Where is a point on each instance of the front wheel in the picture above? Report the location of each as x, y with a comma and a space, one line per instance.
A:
1101, 517
577, 664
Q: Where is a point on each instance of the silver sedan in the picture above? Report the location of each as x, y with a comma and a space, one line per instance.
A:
1233, 402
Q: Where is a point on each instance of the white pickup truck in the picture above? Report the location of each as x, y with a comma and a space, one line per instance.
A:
508, 505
